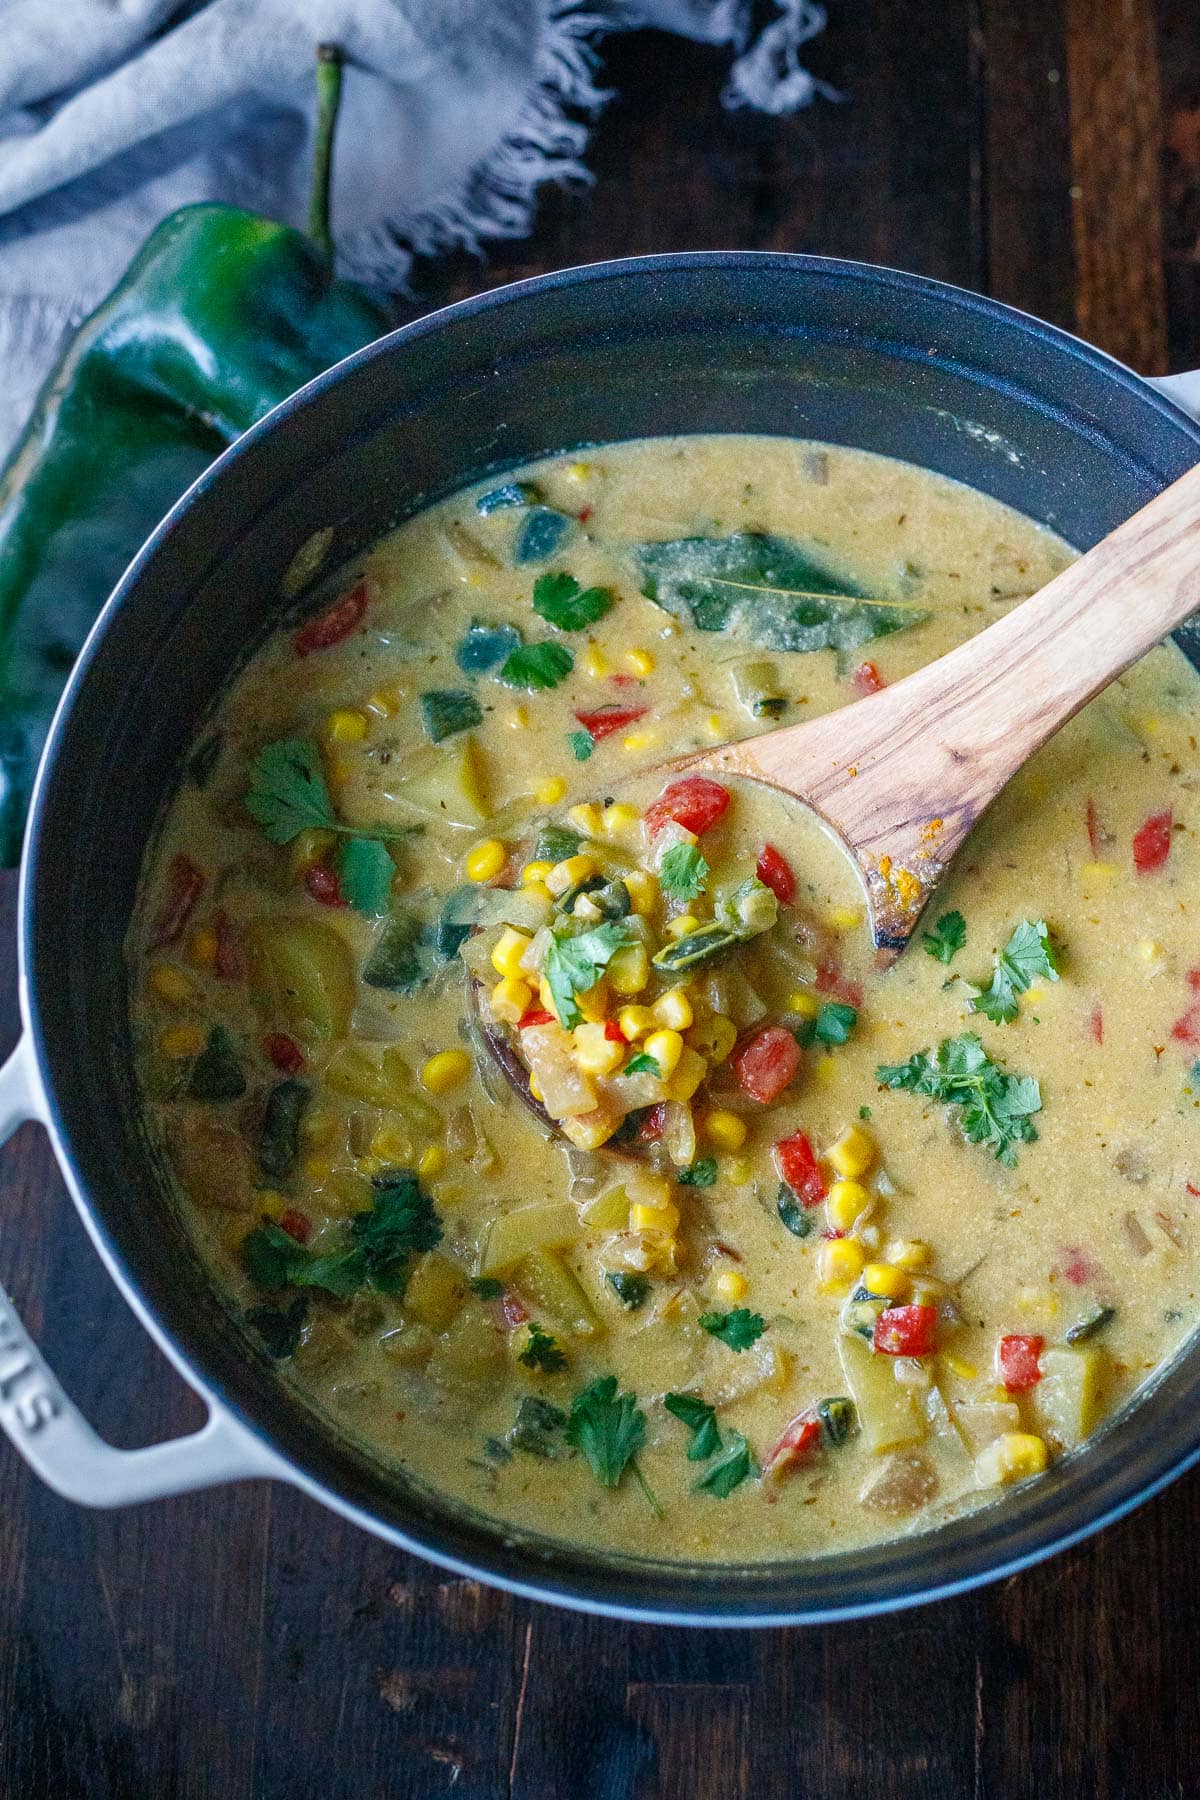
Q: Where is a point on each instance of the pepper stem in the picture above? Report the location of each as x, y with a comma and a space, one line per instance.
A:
329, 96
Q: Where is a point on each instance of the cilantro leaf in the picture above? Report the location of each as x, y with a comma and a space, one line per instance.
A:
402, 1220
536, 666
734, 1465
609, 1428
287, 790
365, 874
994, 1108
947, 937
835, 1023
701, 1174
683, 872
273, 1259
701, 1421
542, 1352
643, 1064
738, 1329
1027, 957
538, 1428
582, 744
631, 1290
559, 599
575, 964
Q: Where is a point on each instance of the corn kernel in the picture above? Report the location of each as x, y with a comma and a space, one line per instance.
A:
839, 1264
737, 1171
628, 969
446, 1070
715, 726
594, 1053
1148, 949
202, 948
886, 1280
181, 1040
803, 1004
508, 950
392, 1145
345, 726
634, 1022
961, 1368
825, 1070
908, 1253
854, 1152
666, 1047
644, 1185
510, 999
722, 1036
1034, 995
579, 471
845, 918
689, 1073
384, 703
569, 873
270, 1204
485, 860
535, 1088
643, 891
639, 740
535, 872
724, 1130
171, 985
731, 1284
537, 890
587, 817
317, 1126
674, 1009
640, 661
618, 817
308, 848
1100, 872
595, 663
1014, 1456
653, 1218
847, 1201
517, 719
683, 925
551, 791
432, 1163
593, 1004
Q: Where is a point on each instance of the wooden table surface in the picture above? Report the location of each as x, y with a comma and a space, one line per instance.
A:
246, 1643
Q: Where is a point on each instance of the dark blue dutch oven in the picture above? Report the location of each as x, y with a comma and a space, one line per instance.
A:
796, 346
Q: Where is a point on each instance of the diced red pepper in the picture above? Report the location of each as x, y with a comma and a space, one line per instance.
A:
322, 884
798, 1437
1017, 1362
1097, 1024
607, 719
534, 1015
797, 1163
906, 1331
612, 1032
766, 1063
1076, 1267
866, 679
1094, 830
775, 871
654, 1123
830, 980
230, 962
1193, 979
185, 884
622, 680
335, 623
1192, 1189
284, 1052
694, 802
1186, 1030
585, 513
298, 1225
514, 1309
1152, 843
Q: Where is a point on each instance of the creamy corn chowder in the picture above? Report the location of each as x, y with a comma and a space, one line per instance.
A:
551, 1124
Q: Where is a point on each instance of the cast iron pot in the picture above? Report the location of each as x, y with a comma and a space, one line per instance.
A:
727, 342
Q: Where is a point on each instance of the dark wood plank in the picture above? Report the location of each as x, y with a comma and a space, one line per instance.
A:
1179, 60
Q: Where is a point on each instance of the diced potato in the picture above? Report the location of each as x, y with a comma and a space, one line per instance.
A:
213, 1161
545, 1226
556, 1292
566, 1090
1066, 1401
663, 1356
305, 972
470, 1359
888, 1411
449, 786
382, 1078
901, 1485
981, 1422
764, 1368
436, 1290
607, 1212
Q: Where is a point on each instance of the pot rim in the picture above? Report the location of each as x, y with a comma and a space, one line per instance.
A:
562, 1589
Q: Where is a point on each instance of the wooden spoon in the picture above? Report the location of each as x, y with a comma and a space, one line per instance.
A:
902, 775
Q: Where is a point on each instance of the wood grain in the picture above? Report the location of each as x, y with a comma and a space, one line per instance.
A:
246, 1645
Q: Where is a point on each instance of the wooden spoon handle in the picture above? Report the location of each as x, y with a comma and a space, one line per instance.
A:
903, 774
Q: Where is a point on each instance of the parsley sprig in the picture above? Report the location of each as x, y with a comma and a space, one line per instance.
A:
736, 1463
683, 872
701, 1421
995, 1108
738, 1329
559, 599
610, 1429
1027, 957
401, 1220
542, 1351
537, 666
575, 964
947, 937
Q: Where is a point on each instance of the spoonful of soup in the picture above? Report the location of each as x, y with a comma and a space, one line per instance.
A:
898, 779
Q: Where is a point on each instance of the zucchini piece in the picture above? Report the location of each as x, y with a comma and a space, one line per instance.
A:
435, 1291
1066, 1401
216, 1073
541, 532
401, 960
306, 972
697, 949
838, 1419
556, 1292
450, 787
631, 1290
887, 1410
279, 1134
469, 1358
484, 646
539, 1428
555, 843
758, 688
447, 711
513, 1235
608, 1211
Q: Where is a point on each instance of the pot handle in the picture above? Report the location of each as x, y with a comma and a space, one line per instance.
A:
1184, 390
47, 1427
